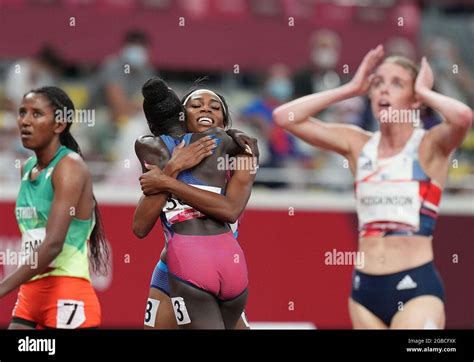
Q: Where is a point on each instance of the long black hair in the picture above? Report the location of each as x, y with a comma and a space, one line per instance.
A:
198, 85
60, 102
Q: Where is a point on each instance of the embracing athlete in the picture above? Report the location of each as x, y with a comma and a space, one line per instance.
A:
212, 289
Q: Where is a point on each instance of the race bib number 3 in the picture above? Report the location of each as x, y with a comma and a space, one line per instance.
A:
178, 211
180, 311
151, 311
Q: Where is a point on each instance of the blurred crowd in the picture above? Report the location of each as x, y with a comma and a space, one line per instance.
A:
113, 91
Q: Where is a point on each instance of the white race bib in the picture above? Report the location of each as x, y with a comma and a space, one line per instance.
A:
389, 202
178, 211
30, 241
70, 314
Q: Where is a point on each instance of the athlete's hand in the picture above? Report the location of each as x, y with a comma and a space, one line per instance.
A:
360, 83
153, 181
247, 143
425, 79
186, 157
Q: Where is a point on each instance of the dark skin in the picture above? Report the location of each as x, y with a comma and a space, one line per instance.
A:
207, 172
224, 208
153, 150
71, 182
238, 189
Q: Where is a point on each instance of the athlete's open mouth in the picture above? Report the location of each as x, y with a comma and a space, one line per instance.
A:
25, 133
205, 121
383, 103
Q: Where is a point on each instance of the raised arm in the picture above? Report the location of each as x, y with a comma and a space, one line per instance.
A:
69, 176
296, 116
448, 135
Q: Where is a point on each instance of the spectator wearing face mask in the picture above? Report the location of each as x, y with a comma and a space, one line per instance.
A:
122, 75
321, 73
116, 97
118, 87
277, 89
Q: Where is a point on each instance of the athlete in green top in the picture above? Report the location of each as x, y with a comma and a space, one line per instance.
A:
58, 219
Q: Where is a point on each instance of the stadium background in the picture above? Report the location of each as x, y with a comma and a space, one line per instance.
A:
302, 205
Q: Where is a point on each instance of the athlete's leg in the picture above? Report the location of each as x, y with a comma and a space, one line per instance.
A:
243, 323
194, 308
423, 312
231, 310
70, 303
159, 311
19, 323
362, 318
24, 313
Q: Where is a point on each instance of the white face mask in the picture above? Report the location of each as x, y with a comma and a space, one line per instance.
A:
325, 58
280, 88
135, 55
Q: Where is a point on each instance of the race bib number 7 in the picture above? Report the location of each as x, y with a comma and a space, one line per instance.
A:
70, 313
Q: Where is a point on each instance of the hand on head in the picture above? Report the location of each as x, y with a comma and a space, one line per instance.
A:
363, 77
425, 79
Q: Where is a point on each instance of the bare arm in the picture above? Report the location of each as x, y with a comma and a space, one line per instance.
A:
151, 152
70, 175
296, 116
147, 212
226, 208
447, 136
328, 136
231, 147
245, 141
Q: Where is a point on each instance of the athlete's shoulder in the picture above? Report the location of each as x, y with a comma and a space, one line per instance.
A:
357, 136
358, 130
214, 131
151, 149
217, 133
25, 164
228, 144
73, 162
70, 169
148, 142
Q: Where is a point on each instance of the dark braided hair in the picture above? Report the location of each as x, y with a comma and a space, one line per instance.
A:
60, 102
163, 110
